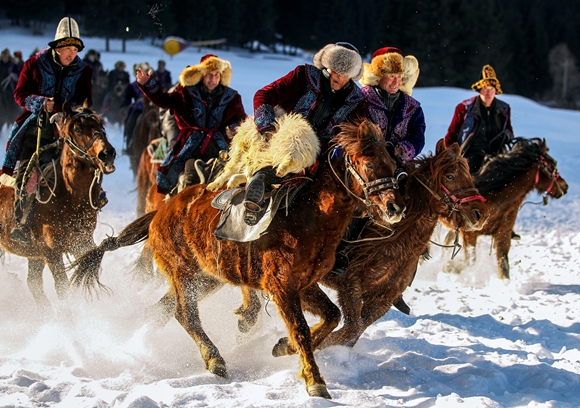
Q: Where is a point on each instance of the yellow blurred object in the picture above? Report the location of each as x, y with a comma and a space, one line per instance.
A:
174, 45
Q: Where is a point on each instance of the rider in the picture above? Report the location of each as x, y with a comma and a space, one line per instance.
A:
48, 78
134, 100
207, 112
482, 124
324, 93
163, 76
117, 76
388, 83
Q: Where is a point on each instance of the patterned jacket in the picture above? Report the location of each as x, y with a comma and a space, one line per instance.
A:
197, 125
37, 82
408, 129
300, 91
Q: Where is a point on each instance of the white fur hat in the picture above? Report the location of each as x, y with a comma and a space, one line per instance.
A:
193, 75
67, 34
390, 60
342, 58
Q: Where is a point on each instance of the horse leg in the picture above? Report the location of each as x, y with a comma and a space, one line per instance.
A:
315, 301
187, 314
290, 309
35, 282
249, 309
453, 265
61, 282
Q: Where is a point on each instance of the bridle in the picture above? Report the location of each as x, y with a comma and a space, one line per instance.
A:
549, 170
453, 203
369, 187
80, 151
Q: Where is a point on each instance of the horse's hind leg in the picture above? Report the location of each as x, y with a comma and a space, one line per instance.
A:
35, 282
61, 282
249, 309
315, 301
187, 314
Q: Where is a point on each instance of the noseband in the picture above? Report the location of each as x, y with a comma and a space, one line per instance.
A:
551, 171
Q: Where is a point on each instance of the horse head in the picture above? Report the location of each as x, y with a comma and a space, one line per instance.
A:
548, 180
83, 131
451, 183
371, 171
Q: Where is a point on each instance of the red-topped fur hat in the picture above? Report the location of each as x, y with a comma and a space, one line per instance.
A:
208, 63
390, 60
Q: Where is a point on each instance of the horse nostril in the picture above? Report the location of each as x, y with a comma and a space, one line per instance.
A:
108, 154
477, 215
392, 208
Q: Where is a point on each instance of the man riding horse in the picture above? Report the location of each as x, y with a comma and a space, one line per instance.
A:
49, 78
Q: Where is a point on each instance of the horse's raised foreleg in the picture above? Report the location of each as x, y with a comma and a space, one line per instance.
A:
35, 282
249, 309
315, 301
290, 309
503, 240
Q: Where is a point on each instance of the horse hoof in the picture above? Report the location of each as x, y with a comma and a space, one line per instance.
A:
282, 348
318, 390
219, 369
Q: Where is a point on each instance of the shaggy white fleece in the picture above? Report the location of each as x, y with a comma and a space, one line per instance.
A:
293, 147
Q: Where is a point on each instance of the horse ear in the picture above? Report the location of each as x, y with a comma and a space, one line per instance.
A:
66, 109
86, 104
363, 129
440, 146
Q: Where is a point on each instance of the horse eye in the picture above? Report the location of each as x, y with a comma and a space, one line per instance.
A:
450, 177
77, 130
370, 166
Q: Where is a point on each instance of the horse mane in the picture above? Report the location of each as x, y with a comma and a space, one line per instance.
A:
354, 141
80, 114
504, 168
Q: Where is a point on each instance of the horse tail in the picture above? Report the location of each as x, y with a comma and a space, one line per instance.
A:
87, 267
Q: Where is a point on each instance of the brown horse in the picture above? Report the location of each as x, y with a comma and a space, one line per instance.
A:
65, 221
286, 262
113, 111
384, 262
146, 130
148, 199
505, 181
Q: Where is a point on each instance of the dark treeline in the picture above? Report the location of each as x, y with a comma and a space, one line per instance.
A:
532, 44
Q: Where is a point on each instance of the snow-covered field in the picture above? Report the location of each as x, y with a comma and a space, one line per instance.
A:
471, 340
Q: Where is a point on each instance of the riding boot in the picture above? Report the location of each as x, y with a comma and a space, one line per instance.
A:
353, 231
256, 188
189, 176
23, 214
402, 306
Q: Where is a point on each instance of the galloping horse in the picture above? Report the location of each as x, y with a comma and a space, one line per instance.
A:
505, 181
148, 199
65, 221
384, 262
286, 262
146, 130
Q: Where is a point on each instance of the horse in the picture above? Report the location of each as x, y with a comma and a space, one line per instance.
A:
100, 85
384, 261
298, 250
112, 110
148, 199
65, 219
505, 180
146, 130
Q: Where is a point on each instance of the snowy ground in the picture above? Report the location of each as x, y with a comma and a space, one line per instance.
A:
472, 340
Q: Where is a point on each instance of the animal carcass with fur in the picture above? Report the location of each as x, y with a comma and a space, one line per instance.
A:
292, 147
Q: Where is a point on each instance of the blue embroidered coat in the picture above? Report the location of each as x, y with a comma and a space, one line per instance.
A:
300, 91
196, 124
408, 129
36, 83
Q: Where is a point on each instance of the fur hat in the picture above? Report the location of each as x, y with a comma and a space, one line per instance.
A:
67, 34
390, 60
342, 58
488, 78
144, 65
194, 74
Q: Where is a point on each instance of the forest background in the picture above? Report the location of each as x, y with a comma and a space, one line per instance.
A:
534, 45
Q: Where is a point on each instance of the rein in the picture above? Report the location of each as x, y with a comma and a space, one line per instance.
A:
367, 187
452, 202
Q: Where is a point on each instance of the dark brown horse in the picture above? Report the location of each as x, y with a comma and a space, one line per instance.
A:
113, 111
505, 181
384, 262
146, 130
286, 262
65, 221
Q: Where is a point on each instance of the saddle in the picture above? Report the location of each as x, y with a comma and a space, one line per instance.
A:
230, 202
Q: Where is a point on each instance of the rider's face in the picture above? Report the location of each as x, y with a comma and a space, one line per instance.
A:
66, 55
391, 83
211, 80
487, 94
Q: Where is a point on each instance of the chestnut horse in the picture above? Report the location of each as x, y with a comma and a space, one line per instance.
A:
65, 218
286, 262
148, 199
384, 264
146, 130
505, 181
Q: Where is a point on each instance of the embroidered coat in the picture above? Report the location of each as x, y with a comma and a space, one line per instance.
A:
197, 124
300, 91
408, 127
37, 82
466, 120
